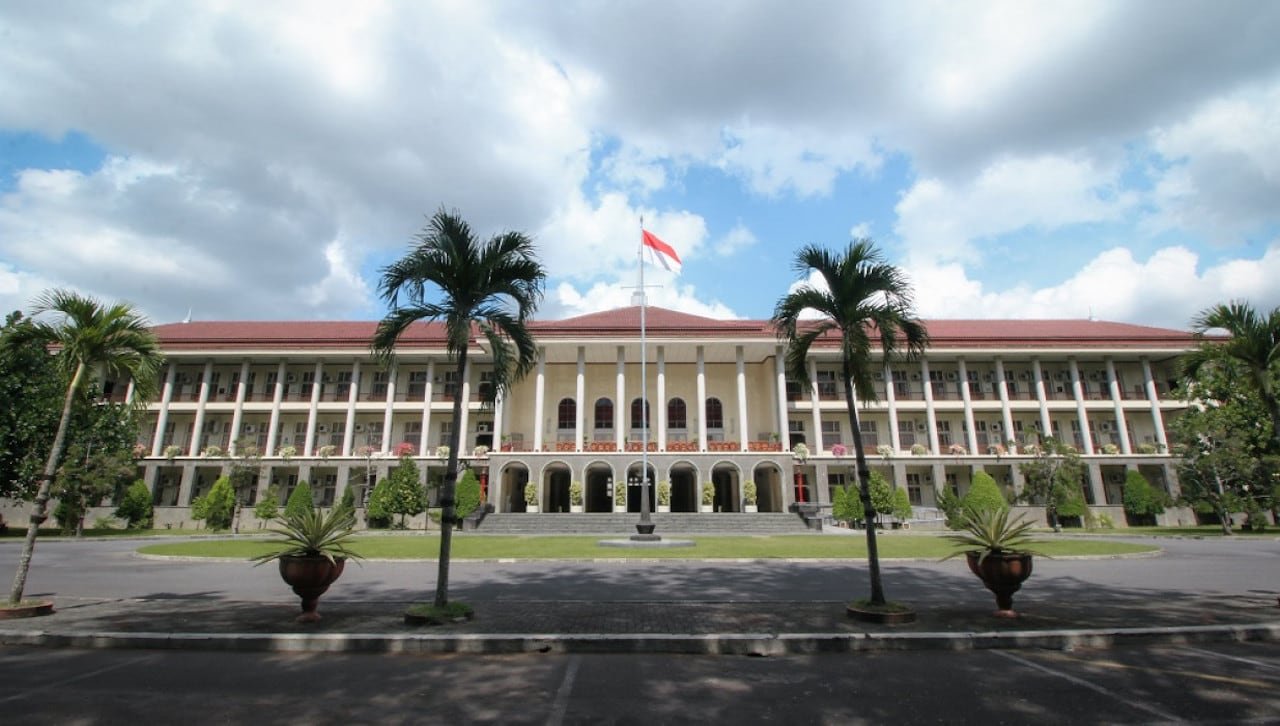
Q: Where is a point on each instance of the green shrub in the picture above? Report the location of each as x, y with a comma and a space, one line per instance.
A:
408, 498
135, 506
902, 505
1140, 498
881, 493
468, 494
348, 501
377, 507
984, 495
300, 501
221, 504
846, 505
268, 508
951, 508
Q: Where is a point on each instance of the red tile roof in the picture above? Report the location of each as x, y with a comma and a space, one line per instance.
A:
625, 322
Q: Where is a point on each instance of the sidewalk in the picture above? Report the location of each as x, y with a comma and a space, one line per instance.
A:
768, 628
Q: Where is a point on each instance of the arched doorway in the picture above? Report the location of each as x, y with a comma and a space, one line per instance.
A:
727, 479
512, 480
598, 487
768, 479
633, 487
555, 486
684, 487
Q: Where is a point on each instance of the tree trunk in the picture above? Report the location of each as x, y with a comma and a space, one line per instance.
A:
449, 488
864, 489
39, 508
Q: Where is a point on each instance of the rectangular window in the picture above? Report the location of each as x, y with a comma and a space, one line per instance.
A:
831, 433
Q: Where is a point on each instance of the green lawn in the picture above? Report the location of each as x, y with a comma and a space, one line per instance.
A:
1206, 530
20, 532
552, 547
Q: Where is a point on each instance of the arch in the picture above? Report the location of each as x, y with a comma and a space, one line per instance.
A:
511, 482
727, 478
555, 477
598, 486
633, 486
714, 414
768, 475
684, 477
677, 414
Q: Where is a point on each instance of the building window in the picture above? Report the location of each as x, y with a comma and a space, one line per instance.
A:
677, 414
831, 433
604, 414
568, 414
715, 414
639, 414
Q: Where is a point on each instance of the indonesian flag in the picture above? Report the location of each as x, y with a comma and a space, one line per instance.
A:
665, 253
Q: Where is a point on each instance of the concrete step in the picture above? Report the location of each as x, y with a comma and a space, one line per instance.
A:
672, 523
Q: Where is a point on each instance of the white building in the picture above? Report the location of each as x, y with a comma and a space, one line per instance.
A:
309, 396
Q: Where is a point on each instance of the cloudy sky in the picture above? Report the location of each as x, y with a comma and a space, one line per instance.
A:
247, 160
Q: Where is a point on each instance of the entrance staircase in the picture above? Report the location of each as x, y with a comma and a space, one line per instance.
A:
624, 524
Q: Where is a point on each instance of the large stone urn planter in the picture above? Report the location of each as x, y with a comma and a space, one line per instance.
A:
310, 577
1003, 574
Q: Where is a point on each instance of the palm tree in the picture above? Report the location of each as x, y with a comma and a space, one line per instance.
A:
865, 299
1254, 343
493, 287
89, 338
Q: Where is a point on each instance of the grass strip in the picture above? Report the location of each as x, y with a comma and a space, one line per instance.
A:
427, 546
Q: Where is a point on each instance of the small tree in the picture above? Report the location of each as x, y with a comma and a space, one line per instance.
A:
984, 495
469, 493
408, 498
846, 506
135, 506
1141, 501
951, 508
220, 504
300, 501
881, 494
84, 481
902, 505
1053, 480
268, 508
377, 510
348, 501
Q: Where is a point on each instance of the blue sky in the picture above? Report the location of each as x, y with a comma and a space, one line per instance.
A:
1017, 159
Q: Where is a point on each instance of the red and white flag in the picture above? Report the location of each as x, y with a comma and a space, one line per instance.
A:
665, 253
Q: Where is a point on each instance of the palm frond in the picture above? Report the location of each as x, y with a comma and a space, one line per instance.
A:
989, 531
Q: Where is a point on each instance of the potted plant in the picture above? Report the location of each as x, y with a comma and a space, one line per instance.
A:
324, 452
287, 452
442, 452
620, 496
800, 452
172, 451
749, 495
708, 496
664, 496
575, 496
312, 551
212, 451
997, 552
531, 498
480, 451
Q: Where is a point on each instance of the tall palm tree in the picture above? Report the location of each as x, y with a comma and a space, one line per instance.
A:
865, 299
89, 339
493, 287
1254, 343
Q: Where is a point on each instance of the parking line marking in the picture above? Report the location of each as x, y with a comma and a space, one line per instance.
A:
1236, 658
73, 679
561, 703
1127, 700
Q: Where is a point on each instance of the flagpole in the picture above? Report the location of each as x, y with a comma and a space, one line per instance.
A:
645, 528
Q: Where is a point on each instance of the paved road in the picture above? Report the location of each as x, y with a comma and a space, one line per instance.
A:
1216, 684
1236, 568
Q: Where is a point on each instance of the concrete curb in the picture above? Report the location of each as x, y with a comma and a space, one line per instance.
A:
759, 644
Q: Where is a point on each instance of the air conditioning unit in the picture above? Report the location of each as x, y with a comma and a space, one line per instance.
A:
250, 428
291, 378
1035, 425
484, 427
323, 428
215, 427
915, 376
988, 377
952, 376
359, 428
222, 391
185, 379
1060, 376
997, 426
1105, 426
1093, 376
327, 378
921, 428
1024, 376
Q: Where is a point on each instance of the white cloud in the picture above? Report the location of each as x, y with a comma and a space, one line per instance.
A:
736, 240
861, 230
943, 222
568, 301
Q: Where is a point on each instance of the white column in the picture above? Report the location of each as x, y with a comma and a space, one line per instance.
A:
662, 398
316, 384
971, 434
702, 402
197, 431
743, 424
621, 409
129, 392
1122, 426
818, 446
1153, 396
389, 407
1006, 415
273, 428
1046, 424
349, 429
166, 396
929, 414
579, 404
891, 399
238, 415
499, 406
464, 434
1082, 416
539, 391
780, 397
427, 394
